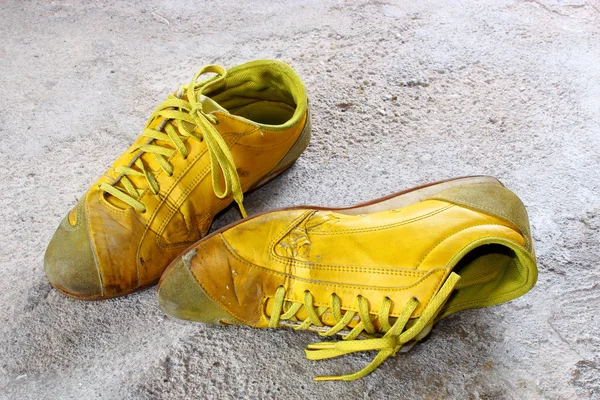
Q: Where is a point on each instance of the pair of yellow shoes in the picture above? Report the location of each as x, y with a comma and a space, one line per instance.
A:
383, 271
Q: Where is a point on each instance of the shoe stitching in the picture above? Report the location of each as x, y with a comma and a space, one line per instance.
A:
284, 71
93, 245
287, 230
426, 277
456, 232
78, 209
173, 210
185, 195
287, 263
109, 207
292, 136
237, 119
290, 277
360, 269
236, 136
504, 295
254, 178
375, 309
157, 174
191, 186
388, 226
324, 283
218, 302
500, 213
304, 263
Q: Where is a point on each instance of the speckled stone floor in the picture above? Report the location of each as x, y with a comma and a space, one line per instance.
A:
402, 93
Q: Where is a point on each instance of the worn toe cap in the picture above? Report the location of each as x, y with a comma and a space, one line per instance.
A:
69, 261
181, 296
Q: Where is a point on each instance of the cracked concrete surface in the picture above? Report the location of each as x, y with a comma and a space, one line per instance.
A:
402, 93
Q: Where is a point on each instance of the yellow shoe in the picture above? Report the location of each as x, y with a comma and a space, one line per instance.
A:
385, 271
199, 151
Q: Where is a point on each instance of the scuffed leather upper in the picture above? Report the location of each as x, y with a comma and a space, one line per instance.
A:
396, 253
130, 249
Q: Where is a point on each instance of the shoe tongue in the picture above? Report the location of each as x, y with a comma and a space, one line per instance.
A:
209, 105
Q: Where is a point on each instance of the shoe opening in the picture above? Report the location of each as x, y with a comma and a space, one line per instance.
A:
266, 92
491, 274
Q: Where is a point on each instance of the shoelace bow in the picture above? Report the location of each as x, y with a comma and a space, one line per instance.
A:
388, 345
175, 112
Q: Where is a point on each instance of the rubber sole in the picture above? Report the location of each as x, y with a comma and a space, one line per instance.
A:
96, 298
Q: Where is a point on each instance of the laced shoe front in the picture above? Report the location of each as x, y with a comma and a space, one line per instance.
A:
241, 126
379, 274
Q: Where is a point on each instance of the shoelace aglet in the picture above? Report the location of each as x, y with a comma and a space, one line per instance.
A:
242, 209
328, 378
321, 346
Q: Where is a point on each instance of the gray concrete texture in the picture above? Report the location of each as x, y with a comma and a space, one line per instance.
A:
402, 93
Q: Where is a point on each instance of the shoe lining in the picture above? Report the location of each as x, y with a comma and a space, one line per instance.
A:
487, 273
267, 93
265, 112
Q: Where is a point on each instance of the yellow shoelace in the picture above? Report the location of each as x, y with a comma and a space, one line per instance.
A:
176, 112
388, 345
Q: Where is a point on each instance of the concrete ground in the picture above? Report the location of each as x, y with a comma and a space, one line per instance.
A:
402, 94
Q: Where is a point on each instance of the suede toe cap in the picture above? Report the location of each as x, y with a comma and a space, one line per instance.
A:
181, 296
69, 262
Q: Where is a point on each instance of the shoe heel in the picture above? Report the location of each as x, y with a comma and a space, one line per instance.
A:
491, 199
292, 155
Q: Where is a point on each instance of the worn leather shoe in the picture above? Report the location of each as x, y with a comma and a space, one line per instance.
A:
384, 271
205, 145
